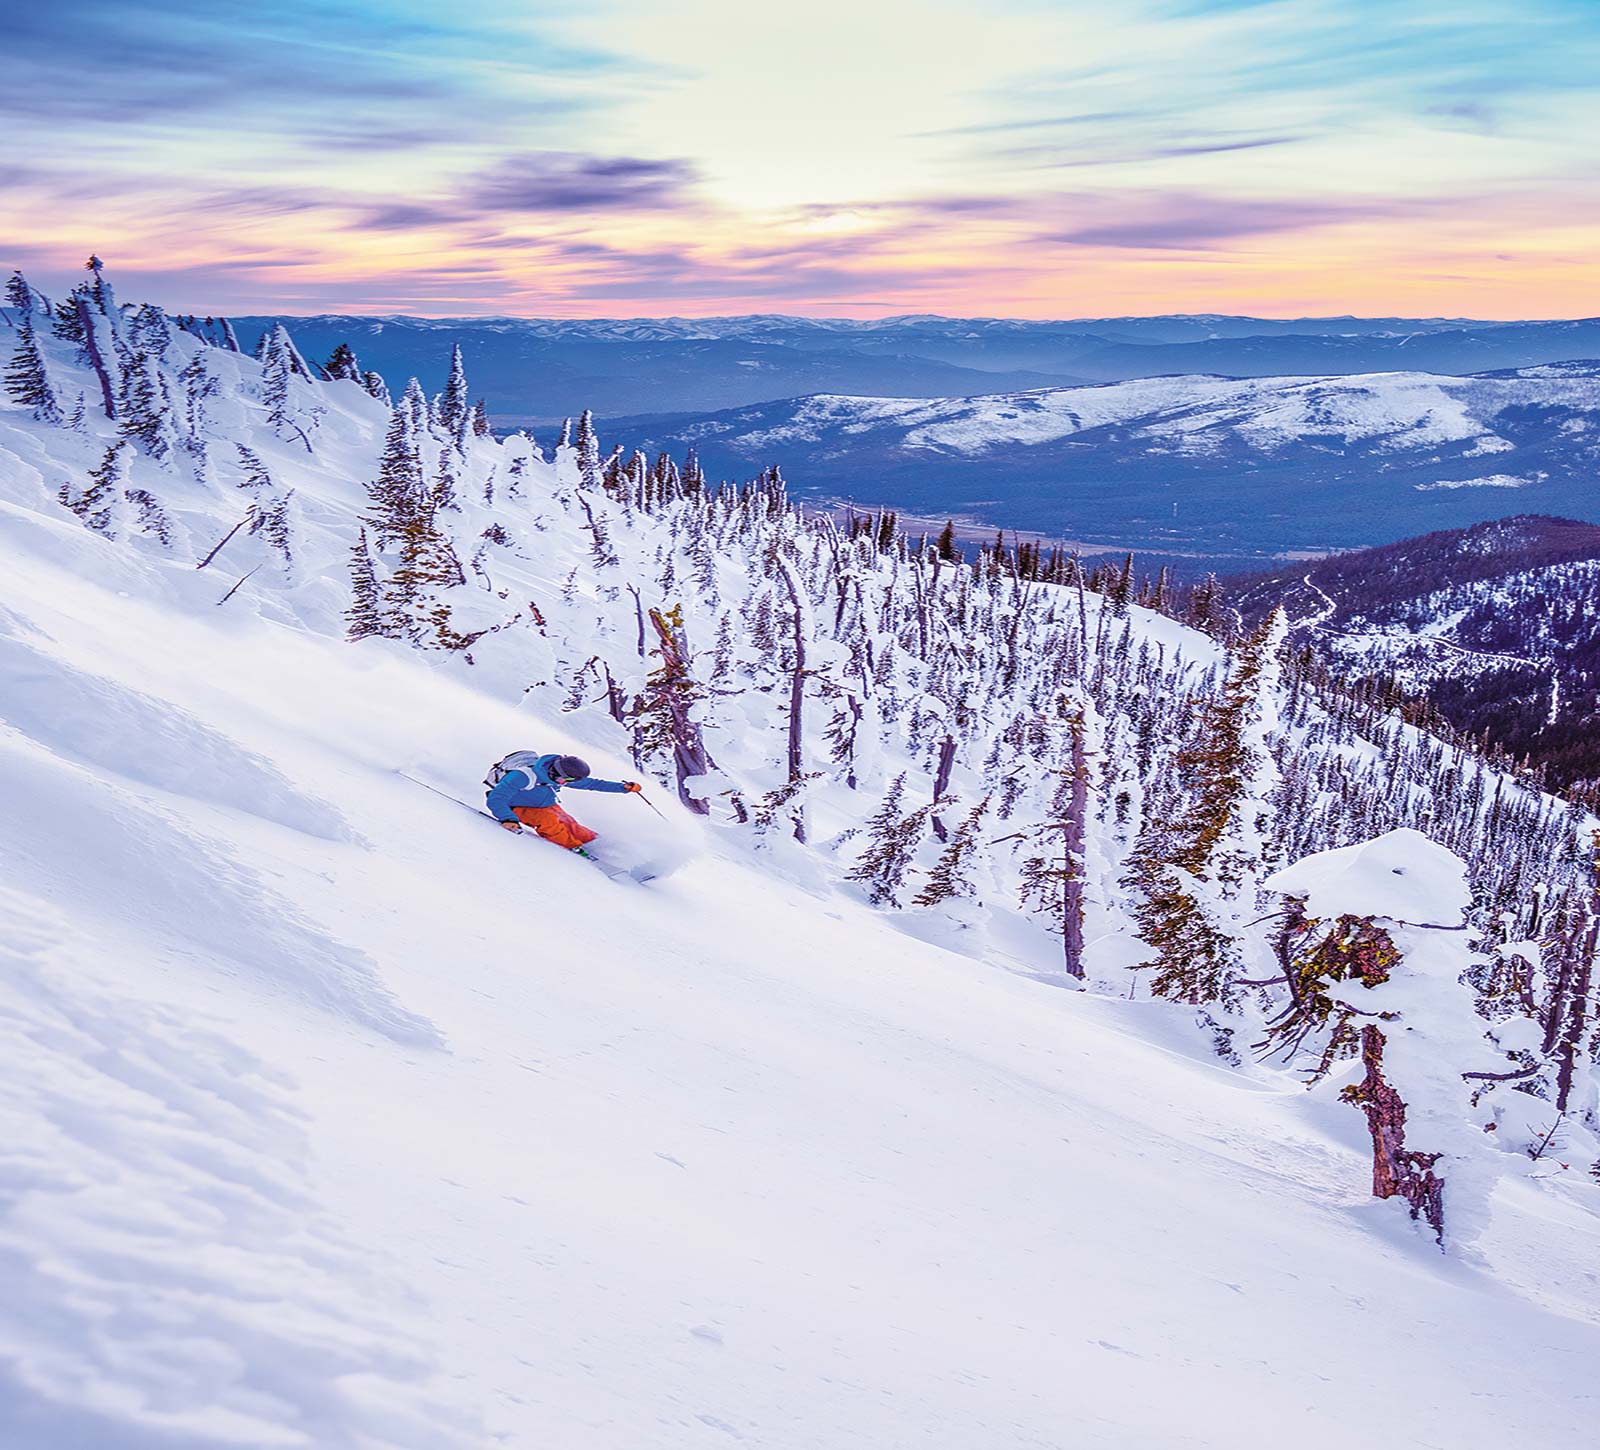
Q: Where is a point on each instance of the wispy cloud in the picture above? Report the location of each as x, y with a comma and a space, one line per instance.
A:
1179, 222
555, 181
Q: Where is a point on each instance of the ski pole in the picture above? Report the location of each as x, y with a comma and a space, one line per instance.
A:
445, 795
646, 799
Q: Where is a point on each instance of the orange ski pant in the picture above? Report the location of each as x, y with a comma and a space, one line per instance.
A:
555, 825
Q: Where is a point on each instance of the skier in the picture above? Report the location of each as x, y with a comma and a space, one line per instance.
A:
525, 789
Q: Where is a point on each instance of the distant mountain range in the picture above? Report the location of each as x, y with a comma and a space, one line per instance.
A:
1186, 465
1497, 626
536, 370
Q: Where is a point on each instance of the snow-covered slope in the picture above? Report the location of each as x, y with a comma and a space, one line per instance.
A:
335, 1117
1497, 626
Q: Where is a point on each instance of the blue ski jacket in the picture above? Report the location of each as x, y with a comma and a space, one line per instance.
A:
516, 788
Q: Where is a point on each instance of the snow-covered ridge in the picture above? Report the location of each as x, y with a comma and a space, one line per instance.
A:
1387, 411
337, 1117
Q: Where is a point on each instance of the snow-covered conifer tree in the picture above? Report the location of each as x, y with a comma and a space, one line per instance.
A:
366, 615
665, 718
19, 295
1197, 873
150, 332
27, 377
892, 844
399, 491
145, 414
427, 564
103, 504
67, 323
952, 876
343, 365
455, 406
588, 448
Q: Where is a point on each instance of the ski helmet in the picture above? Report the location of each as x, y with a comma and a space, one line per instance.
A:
569, 767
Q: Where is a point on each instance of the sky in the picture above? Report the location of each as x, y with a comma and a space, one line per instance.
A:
862, 158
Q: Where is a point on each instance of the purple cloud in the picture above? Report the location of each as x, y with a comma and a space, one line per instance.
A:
1185, 223
561, 181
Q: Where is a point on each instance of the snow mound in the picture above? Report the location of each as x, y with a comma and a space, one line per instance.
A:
1401, 875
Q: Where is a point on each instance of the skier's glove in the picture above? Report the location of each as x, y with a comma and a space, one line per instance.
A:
632, 786
511, 825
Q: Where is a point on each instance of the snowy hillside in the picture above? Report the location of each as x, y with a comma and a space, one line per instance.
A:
336, 1117
1175, 464
1497, 627
1390, 411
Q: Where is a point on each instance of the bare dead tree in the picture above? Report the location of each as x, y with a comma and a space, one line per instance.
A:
248, 518
676, 692
614, 701
1575, 1020
237, 586
1074, 836
797, 690
638, 614
1397, 1171
941, 781
91, 348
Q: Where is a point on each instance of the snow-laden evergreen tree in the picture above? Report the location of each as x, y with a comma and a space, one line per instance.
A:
67, 322
281, 367
399, 491
343, 365
1055, 870
145, 412
427, 566
1196, 874
19, 295
664, 718
953, 876
276, 342
150, 332
103, 503
27, 377
893, 840
366, 615
587, 444
455, 405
